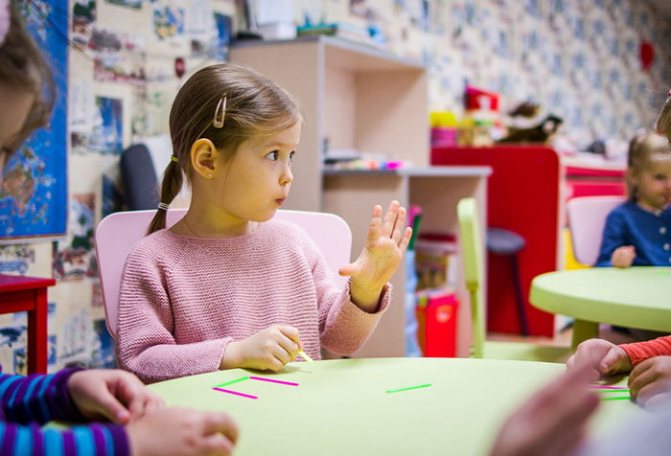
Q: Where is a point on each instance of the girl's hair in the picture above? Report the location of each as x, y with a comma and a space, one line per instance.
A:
227, 104
663, 123
644, 148
23, 66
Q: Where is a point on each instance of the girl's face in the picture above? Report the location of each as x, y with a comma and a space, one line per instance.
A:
254, 183
653, 183
14, 109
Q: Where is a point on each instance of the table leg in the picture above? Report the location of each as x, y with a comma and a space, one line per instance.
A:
583, 330
37, 334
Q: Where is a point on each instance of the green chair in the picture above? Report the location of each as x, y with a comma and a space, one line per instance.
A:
471, 252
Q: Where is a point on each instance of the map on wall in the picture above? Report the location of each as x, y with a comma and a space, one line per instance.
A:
33, 196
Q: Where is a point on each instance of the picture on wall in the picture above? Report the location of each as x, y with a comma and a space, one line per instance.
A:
34, 196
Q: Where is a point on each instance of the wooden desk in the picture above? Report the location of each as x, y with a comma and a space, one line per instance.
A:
341, 407
29, 294
637, 297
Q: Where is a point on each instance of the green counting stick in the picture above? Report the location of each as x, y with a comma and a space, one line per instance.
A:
616, 398
408, 388
237, 380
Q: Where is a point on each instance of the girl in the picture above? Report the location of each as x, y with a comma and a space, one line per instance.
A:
638, 232
138, 424
227, 286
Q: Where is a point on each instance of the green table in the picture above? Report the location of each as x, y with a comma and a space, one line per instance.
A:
341, 407
637, 297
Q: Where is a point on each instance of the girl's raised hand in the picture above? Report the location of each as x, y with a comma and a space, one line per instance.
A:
269, 349
386, 243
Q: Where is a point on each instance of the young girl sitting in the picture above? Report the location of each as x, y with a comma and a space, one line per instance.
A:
227, 286
638, 233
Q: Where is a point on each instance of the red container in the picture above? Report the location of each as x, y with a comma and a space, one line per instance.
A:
437, 321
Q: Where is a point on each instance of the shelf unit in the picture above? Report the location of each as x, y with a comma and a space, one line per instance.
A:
355, 97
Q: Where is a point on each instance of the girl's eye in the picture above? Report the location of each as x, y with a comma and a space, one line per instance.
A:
291, 156
274, 155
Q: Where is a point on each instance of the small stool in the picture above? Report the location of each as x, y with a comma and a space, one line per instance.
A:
508, 243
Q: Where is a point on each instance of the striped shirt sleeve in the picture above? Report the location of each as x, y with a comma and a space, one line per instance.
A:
30, 401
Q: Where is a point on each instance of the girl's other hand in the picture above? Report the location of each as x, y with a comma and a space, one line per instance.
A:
650, 381
382, 254
269, 349
606, 358
623, 256
183, 432
114, 395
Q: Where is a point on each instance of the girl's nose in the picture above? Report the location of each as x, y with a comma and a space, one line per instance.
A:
287, 176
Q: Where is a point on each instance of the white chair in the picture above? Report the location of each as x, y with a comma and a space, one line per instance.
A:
586, 219
117, 233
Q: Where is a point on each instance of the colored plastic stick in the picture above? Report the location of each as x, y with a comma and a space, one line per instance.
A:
408, 388
615, 398
249, 396
272, 380
237, 380
305, 356
610, 387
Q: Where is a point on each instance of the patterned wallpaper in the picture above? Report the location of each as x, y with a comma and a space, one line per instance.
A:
577, 58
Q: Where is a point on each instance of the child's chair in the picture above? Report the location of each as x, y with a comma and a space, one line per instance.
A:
117, 233
586, 219
471, 252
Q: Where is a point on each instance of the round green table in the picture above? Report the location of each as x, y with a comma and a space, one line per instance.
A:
364, 406
637, 297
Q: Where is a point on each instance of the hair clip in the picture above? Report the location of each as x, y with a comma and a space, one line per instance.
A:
162, 206
174, 159
220, 113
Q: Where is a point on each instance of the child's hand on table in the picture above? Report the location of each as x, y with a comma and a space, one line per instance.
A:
182, 432
269, 349
650, 381
113, 394
623, 256
606, 357
381, 256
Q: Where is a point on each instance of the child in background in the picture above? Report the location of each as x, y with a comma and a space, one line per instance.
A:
638, 233
227, 286
131, 418
648, 364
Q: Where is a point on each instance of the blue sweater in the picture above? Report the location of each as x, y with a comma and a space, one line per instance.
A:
649, 233
30, 401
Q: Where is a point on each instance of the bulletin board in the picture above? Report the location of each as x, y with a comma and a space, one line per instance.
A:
34, 195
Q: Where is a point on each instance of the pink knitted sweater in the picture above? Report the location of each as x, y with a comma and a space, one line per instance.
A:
184, 299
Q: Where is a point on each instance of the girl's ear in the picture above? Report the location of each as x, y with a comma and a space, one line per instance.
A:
204, 157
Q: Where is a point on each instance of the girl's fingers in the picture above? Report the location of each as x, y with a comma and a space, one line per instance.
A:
348, 270
375, 223
390, 219
405, 240
398, 226
290, 346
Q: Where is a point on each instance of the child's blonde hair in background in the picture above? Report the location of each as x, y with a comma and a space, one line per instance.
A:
227, 104
23, 67
645, 148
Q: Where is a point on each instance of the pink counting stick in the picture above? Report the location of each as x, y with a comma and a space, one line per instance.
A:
609, 387
248, 396
281, 382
